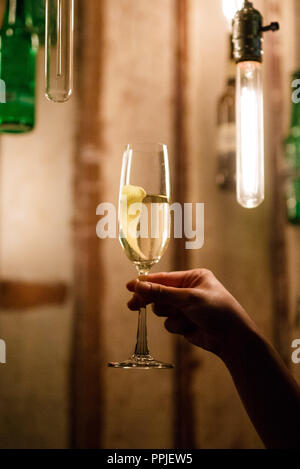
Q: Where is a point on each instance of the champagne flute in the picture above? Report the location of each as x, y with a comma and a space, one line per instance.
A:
144, 227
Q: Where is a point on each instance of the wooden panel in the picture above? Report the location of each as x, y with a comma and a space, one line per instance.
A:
183, 400
236, 239
35, 251
2, 9
20, 295
137, 105
87, 386
280, 280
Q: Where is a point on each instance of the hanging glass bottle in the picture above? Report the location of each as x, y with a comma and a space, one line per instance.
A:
292, 157
18, 50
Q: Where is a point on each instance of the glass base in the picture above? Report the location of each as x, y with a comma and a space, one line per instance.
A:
141, 362
16, 128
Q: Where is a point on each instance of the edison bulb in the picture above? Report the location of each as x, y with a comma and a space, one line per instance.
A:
250, 134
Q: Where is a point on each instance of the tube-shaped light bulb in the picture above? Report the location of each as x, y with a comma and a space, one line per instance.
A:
59, 52
250, 134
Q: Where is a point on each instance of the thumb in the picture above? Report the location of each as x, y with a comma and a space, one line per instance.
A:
156, 293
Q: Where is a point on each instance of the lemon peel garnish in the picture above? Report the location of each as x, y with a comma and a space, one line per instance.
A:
129, 219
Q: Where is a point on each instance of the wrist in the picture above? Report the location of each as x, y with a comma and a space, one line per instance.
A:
243, 337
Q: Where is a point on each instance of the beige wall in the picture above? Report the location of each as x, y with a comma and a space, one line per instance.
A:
35, 234
235, 239
138, 107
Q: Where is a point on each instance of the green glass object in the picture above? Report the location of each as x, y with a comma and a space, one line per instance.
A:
18, 50
292, 156
39, 18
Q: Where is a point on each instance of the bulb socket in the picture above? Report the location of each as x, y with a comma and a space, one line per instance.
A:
247, 34
247, 31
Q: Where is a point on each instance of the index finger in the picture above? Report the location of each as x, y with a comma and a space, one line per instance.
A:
169, 279
157, 293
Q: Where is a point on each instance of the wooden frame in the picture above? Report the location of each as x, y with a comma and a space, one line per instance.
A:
87, 381
184, 413
281, 319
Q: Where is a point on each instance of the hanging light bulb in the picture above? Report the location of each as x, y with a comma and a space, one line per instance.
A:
230, 7
247, 42
250, 133
59, 51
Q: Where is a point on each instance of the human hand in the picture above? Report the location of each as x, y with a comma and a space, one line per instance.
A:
197, 306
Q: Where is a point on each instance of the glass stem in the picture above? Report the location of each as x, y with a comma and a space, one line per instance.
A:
141, 348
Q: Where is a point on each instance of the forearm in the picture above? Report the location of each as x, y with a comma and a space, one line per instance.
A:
198, 307
270, 394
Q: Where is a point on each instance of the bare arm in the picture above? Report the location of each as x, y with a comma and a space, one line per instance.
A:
268, 391
198, 307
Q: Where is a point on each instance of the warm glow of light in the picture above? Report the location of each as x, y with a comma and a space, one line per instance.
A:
250, 135
230, 7
249, 140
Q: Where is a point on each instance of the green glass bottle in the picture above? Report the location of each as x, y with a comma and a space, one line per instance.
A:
39, 18
18, 50
292, 156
